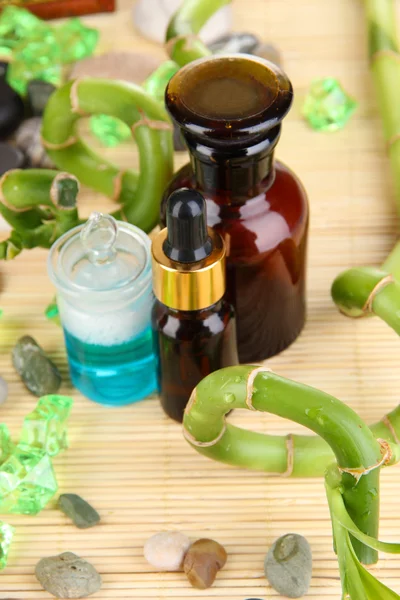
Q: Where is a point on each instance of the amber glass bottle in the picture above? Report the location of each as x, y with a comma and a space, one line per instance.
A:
193, 325
229, 109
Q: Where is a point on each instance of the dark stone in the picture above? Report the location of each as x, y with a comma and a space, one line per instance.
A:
10, 158
235, 42
11, 105
39, 93
268, 52
37, 371
288, 565
28, 139
67, 576
76, 508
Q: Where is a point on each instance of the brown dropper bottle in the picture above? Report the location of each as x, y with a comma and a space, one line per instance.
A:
230, 110
193, 325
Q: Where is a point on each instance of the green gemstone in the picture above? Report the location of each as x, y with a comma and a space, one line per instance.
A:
52, 313
27, 481
35, 58
157, 82
45, 428
327, 106
19, 23
76, 40
6, 535
109, 130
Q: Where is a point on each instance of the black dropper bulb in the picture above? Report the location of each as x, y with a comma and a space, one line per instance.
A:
188, 240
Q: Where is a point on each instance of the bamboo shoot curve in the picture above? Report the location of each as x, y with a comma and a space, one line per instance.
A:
359, 455
139, 194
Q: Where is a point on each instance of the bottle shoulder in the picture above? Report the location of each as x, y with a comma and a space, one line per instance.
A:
279, 213
187, 324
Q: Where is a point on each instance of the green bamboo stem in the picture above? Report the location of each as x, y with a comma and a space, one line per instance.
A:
182, 42
310, 454
352, 442
40, 205
385, 69
365, 290
139, 194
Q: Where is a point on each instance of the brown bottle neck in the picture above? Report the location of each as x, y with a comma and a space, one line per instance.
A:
233, 177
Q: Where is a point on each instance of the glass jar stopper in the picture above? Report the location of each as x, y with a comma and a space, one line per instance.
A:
98, 237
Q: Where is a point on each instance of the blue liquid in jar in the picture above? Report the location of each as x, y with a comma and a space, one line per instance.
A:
116, 374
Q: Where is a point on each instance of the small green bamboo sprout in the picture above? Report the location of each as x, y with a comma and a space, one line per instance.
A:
366, 290
40, 205
183, 44
139, 194
358, 454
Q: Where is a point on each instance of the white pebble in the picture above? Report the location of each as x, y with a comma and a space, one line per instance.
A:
166, 550
3, 390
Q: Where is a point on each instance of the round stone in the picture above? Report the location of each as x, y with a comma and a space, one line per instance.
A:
10, 158
166, 550
202, 562
28, 139
288, 565
151, 18
39, 93
268, 52
67, 576
78, 510
37, 371
3, 390
126, 66
11, 106
235, 42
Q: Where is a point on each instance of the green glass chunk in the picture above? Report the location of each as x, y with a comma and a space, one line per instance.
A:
19, 23
52, 313
45, 428
27, 481
327, 106
76, 40
109, 130
6, 535
37, 57
157, 82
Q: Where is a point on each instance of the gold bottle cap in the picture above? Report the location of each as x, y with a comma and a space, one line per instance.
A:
189, 286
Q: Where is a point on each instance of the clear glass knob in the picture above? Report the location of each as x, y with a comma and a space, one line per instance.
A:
98, 236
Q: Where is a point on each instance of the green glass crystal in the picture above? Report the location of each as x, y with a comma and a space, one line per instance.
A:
327, 106
38, 49
52, 313
35, 58
6, 535
109, 130
19, 23
45, 428
76, 40
157, 82
27, 481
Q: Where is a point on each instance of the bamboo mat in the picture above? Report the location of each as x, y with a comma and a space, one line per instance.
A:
132, 464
